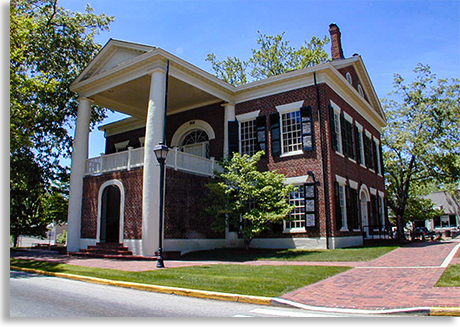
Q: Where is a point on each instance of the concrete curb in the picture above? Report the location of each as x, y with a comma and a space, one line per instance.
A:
426, 311
156, 288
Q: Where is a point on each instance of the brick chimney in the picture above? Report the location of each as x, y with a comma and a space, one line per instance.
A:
336, 46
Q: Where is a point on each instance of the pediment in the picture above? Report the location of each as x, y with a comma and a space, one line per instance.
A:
113, 54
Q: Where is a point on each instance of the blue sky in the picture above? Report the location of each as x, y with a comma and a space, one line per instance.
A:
392, 36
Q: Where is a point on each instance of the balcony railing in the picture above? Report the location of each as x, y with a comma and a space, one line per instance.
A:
133, 158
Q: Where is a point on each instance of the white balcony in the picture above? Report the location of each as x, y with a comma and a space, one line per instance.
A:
133, 158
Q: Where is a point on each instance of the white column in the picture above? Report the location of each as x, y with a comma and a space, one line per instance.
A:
151, 187
79, 156
229, 115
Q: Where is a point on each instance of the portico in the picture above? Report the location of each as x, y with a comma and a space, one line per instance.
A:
130, 78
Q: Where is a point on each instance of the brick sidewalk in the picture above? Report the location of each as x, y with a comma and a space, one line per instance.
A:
402, 278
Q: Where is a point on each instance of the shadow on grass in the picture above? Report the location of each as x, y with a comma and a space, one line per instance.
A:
361, 253
39, 265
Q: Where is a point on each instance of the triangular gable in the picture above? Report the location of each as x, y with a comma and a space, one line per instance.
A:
358, 64
114, 53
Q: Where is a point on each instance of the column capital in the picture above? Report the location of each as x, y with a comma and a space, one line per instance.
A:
91, 101
158, 67
227, 104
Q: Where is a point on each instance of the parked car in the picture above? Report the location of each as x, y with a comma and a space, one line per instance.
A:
423, 232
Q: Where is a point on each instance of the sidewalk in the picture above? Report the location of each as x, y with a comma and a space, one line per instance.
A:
403, 278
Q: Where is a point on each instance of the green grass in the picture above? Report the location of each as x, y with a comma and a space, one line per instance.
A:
450, 277
267, 281
346, 254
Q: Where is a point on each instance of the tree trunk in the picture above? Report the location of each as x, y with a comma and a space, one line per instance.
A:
400, 222
246, 243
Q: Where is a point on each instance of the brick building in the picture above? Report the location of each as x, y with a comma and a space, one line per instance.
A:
319, 126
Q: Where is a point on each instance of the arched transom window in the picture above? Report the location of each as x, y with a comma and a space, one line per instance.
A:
196, 142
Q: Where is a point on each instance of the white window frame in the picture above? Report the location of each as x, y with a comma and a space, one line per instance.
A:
244, 118
349, 78
343, 201
286, 109
369, 135
382, 203
361, 140
379, 166
360, 90
296, 229
338, 128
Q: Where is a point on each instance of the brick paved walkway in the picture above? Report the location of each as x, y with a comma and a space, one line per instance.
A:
402, 278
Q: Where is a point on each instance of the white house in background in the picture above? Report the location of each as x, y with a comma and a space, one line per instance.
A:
450, 204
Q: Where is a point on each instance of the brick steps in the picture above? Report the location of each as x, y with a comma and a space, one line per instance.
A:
109, 250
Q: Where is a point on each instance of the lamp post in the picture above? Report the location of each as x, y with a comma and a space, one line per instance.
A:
161, 152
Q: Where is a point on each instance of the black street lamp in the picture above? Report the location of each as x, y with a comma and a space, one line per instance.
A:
161, 152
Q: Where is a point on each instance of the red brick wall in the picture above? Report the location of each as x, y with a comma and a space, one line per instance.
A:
297, 165
184, 202
343, 166
132, 183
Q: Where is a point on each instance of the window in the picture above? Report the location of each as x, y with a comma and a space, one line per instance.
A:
291, 132
359, 144
360, 90
377, 161
196, 142
304, 214
352, 208
291, 129
340, 205
349, 79
334, 117
297, 198
248, 137
347, 138
368, 152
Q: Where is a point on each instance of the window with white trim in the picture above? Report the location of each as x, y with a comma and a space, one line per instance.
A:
291, 132
303, 198
335, 126
297, 199
248, 137
349, 79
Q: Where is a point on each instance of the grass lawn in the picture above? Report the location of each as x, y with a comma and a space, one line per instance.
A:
450, 278
346, 254
267, 281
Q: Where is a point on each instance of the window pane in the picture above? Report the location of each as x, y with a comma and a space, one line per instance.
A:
248, 137
291, 126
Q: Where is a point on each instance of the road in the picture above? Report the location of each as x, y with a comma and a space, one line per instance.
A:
33, 295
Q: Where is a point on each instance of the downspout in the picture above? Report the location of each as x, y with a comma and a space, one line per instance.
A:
324, 161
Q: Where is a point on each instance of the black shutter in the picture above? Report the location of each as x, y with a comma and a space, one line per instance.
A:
275, 134
344, 136
261, 136
307, 128
381, 159
349, 208
358, 146
233, 139
352, 141
374, 154
332, 128
338, 210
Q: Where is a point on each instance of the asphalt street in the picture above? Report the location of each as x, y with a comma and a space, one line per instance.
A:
33, 295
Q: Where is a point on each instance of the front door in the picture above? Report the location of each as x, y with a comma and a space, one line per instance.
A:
110, 214
364, 217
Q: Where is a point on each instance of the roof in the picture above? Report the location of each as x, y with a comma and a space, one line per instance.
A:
120, 60
448, 202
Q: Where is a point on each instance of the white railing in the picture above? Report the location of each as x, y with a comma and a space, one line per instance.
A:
133, 158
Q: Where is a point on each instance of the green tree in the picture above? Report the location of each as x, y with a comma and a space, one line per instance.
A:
245, 199
273, 57
49, 47
419, 209
421, 140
